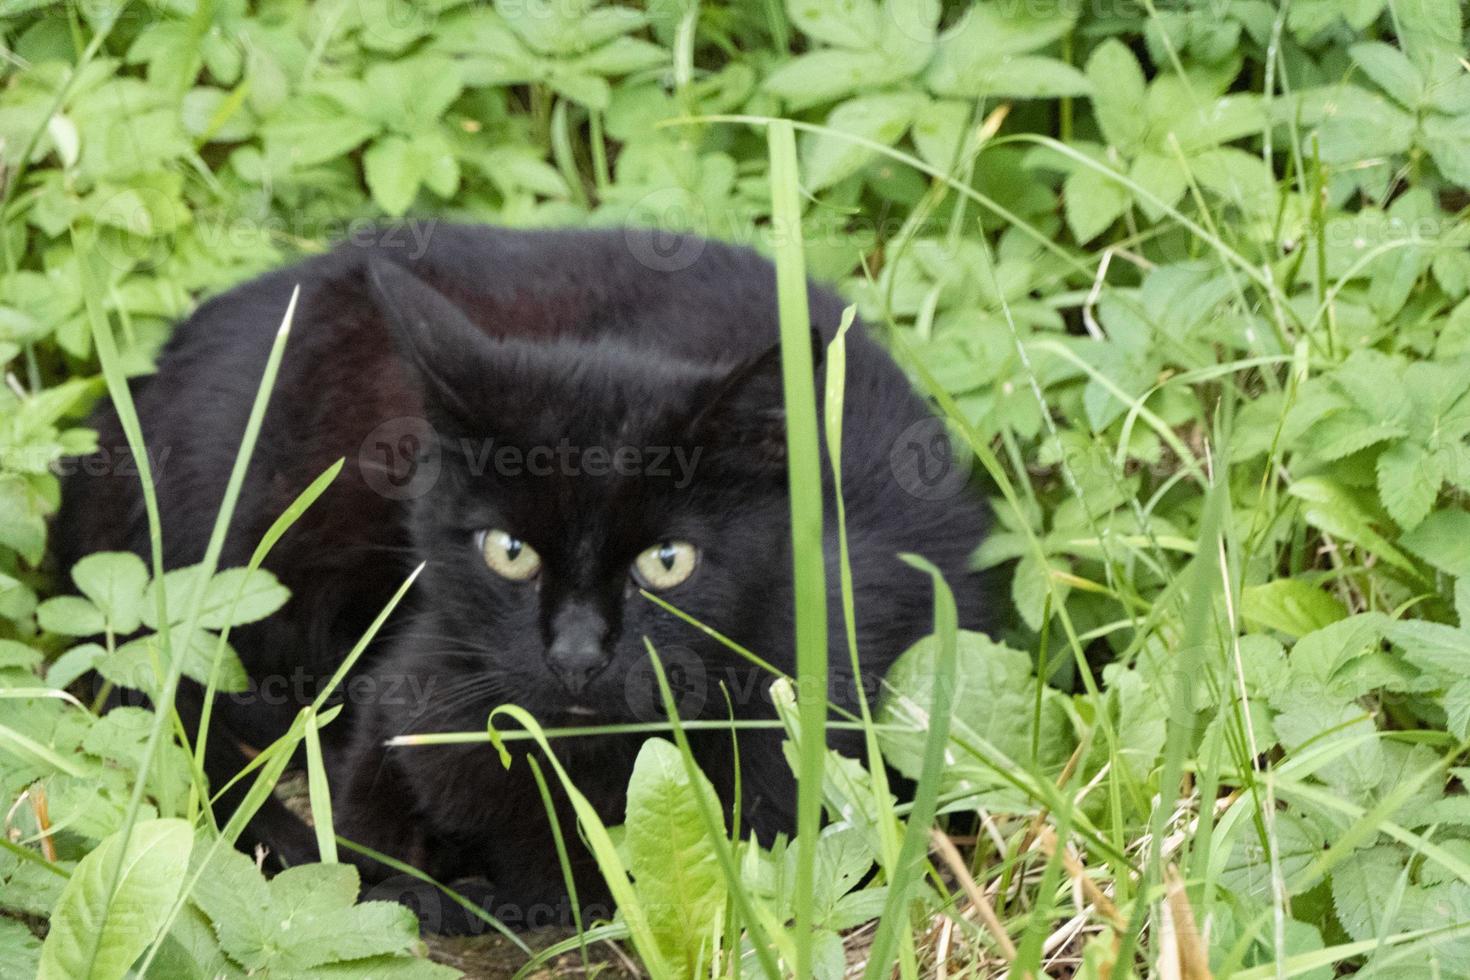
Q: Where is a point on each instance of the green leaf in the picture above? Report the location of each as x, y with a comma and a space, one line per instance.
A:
312, 130
1448, 141
674, 863
1443, 540
1327, 506
114, 581
939, 131
990, 36
70, 615
822, 76
1118, 94
1093, 201
880, 118
118, 925
237, 596
1409, 479
1320, 654
1457, 710
392, 171
845, 23
20, 951
1290, 606
1394, 73
22, 524
1360, 885
1441, 649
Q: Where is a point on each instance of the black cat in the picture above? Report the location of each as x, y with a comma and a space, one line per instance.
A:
552, 421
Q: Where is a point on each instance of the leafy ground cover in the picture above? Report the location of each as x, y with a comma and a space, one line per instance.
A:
1188, 278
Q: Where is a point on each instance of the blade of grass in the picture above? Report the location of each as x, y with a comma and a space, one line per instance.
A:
598, 841
909, 867
319, 793
273, 534
805, 483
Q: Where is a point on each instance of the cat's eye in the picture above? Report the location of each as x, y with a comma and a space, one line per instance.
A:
508, 556
665, 565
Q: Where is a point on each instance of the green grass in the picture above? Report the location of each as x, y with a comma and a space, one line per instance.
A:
1189, 282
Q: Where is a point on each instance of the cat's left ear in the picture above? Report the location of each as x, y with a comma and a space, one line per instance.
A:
746, 414
444, 347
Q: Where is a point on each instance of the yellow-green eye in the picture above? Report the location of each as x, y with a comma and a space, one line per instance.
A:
508, 556
665, 565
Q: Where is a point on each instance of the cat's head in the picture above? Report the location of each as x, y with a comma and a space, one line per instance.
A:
573, 477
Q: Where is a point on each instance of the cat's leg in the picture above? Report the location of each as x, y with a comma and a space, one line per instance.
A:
286, 838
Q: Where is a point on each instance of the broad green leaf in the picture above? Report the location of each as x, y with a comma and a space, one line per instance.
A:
1118, 94
1361, 884
1394, 73
1409, 478
1093, 201
70, 615
114, 581
939, 131
987, 38
1319, 655
1443, 540
879, 118
1448, 141
393, 175
1327, 506
845, 23
1435, 647
117, 927
20, 951
674, 863
235, 597
1291, 606
823, 76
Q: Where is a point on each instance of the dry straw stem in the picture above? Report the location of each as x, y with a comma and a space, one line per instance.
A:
1047, 841
983, 908
1181, 934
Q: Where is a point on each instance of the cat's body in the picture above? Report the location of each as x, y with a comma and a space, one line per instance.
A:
556, 345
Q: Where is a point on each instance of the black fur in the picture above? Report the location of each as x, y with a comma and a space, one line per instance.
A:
518, 339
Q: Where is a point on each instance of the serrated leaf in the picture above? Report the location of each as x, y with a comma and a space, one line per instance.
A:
1394, 73
878, 118
1119, 90
1327, 506
117, 923
237, 596
115, 582
1443, 540
20, 951
1360, 884
1435, 647
673, 860
1409, 479
1290, 606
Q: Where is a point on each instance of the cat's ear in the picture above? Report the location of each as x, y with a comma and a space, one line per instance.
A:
746, 413
432, 334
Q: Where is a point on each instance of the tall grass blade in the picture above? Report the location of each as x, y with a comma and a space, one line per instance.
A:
805, 482
911, 854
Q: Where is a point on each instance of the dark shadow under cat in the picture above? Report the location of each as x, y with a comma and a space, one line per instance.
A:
553, 422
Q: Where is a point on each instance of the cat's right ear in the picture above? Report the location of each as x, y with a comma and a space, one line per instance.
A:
432, 334
744, 418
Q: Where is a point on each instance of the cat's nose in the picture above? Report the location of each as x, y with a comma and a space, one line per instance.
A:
577, 652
